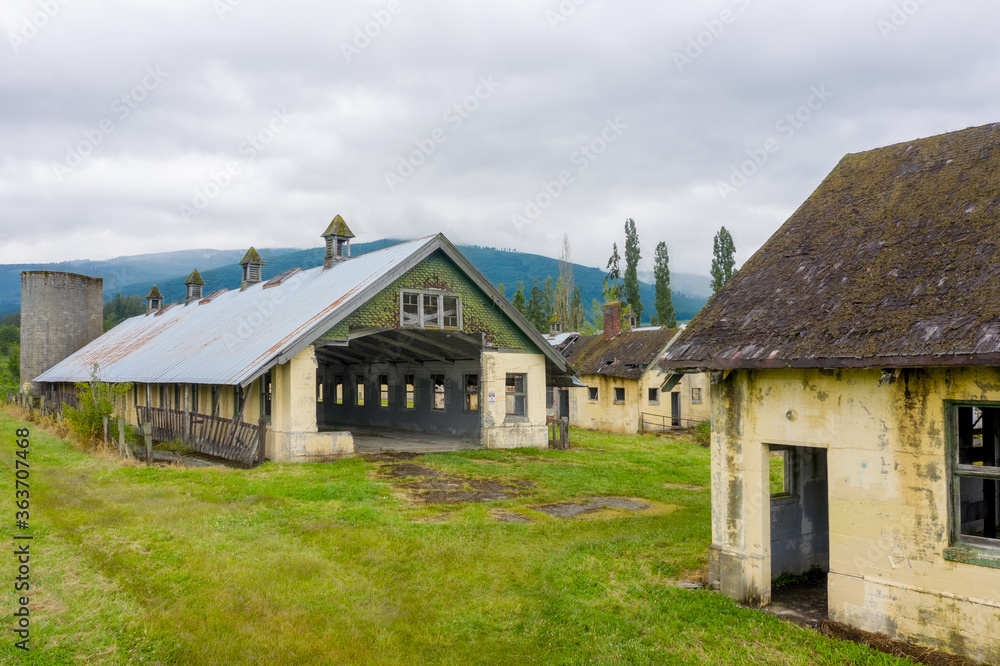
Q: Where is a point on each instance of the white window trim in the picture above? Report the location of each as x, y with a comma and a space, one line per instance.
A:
420, 309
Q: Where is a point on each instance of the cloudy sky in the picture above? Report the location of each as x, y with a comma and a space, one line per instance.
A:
130, 126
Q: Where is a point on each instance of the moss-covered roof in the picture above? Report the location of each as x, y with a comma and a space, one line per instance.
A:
251, 257
894, 261
154, 293
338, 228
627, 355
194, 278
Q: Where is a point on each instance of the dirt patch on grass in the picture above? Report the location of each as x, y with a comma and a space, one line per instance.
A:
623, 503
407, 470
427, 485
889, 646
503, 516
567, 509
600, 507
683, 486
391, 456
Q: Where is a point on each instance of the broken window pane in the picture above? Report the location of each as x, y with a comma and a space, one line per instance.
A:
472, 393
619, 394
383, 390
431, 319
450, 311
438, 381
411, 394
592, 393
361, 390
516, 395
977, 473
411, 309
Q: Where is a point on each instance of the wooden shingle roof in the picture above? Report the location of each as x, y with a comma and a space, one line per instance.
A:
894, 261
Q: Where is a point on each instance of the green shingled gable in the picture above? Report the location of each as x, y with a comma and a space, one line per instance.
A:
479, 314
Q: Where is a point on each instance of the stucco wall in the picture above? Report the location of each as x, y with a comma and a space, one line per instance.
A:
887, 465
500, 431
606, 415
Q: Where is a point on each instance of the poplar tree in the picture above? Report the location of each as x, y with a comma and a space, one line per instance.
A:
663, 302
632, 256
613, 280
723, 259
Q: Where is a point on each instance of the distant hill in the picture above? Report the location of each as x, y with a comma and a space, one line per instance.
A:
136, 274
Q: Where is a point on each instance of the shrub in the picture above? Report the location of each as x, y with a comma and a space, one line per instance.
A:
97, 400
703, 433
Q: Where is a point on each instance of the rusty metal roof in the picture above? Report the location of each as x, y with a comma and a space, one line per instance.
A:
894, 261
233, 337
627, 355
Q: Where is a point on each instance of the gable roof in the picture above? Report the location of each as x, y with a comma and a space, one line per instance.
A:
233, 337
628, 355
894, 261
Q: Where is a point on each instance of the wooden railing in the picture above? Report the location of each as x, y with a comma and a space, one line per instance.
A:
224, 438
662, 423
558, 433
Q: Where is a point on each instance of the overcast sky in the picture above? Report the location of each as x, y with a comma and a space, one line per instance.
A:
130, 126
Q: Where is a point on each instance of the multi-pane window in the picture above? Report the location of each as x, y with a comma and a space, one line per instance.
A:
411, 309
592, 393
472, 393
516, 394
411, 391
438, 386
619, 394
423, 310
360, 396
696, 396
383, 390
975, 473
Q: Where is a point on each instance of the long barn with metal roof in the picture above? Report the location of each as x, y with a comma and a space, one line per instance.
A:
410, 338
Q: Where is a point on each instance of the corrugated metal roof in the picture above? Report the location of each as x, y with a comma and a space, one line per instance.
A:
237, 335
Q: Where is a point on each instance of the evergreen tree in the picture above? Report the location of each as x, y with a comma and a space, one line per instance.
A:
576, 310
518, 300
500, 288
663, 302
723, 259
613, 280
548, 302
535, 308
632, 256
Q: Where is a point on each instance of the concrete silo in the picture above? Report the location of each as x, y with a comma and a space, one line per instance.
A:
60, 313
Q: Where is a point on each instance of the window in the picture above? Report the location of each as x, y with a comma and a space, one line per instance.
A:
430, 310
696, 396
265, 396
338, 389
450, 315
411, 309
383, 390
619, 394
780, 472
237, 401
592, 393
654, 396
438, 382
360, 379
975, 474
516, 394
472, 393
550, 397
411, 391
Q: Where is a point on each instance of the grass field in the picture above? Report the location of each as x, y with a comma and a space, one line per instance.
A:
340, 563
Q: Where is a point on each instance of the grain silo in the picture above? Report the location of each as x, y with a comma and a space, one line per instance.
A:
60, 313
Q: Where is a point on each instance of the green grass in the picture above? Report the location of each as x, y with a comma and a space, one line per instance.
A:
326, 563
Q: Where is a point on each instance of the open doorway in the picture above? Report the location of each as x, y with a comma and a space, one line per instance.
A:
800, 532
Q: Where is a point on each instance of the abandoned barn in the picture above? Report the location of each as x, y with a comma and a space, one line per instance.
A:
860, 346
411, 338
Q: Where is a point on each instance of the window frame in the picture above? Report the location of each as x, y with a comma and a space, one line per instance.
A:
593, 394
423, 296
515, 394
467, 395
384, 391
615, 394
695, 395
359, 391
653, 395
409, 392
967, 548
438, 379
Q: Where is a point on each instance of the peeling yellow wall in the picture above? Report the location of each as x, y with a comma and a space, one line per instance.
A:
888, 497
500, 431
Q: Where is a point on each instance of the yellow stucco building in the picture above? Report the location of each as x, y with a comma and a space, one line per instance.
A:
860, 345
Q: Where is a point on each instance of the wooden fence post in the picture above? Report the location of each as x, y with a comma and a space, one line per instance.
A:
105, 420
147, 428
121, 437
564, 432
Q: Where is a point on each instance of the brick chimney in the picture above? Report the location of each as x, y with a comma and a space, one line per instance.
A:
338, 242
194, 283
612, 320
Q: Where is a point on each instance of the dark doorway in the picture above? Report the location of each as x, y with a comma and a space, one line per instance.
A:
675, 409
